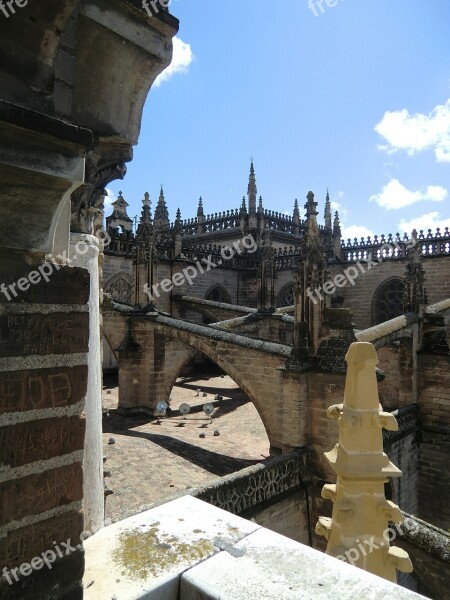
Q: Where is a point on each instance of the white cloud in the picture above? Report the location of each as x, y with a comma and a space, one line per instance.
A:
356, 231
109, 198
182, 58
394, 195
337, 206
349, 231
415, 133
431, 221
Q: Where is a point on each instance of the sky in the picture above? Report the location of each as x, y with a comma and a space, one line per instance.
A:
347, 95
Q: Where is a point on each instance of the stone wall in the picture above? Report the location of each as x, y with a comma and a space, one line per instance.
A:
434, 469
360, 296
273, 494
43, 384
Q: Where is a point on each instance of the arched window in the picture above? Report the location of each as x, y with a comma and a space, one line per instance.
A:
286, 296
218, 294
388, 301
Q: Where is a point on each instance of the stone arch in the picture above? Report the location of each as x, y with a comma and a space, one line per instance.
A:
286, 296
217, 293
191, 345
387, 300
120, 287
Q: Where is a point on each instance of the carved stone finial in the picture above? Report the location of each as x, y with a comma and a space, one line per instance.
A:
361, 512
327, 213
415, 295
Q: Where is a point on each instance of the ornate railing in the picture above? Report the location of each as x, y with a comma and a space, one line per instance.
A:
286, 259
122, 244
223, 220
279, 222
245, 261
250, 487
395, 247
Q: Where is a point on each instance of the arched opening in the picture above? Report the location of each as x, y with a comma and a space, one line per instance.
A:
388, 301
218, 294
181, 451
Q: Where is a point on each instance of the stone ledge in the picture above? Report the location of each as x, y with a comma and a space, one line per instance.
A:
144, 556
270, 566
189, 550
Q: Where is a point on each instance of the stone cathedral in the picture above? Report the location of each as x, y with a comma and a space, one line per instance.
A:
263, 279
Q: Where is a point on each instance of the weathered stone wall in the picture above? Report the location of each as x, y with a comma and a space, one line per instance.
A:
43, 383
324, 390
434, 468
359, 297
287, 517
273, 494
429, 549
388, 389
404, 453
116, 265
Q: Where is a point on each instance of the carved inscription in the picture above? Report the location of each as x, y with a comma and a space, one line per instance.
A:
23, 544
65, 285
22, 335
42, 388
39, 440
38, 493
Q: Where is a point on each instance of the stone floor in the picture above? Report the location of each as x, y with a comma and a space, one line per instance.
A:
150, 462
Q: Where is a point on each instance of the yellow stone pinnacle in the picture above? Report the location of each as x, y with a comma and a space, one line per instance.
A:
358, 531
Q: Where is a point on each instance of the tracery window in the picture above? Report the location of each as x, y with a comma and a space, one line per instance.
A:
120, 289
286, 297
388, 301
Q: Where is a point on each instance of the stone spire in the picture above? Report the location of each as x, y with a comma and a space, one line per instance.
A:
260, 206
146, 214
178, 233
200, 212
361, 513
161, 212
327, 214
337, 225
252, 191
311, 207
296, 213
200, 217
178, 219
296, 218
243, 206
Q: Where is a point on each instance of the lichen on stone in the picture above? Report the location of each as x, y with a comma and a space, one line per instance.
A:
144, 554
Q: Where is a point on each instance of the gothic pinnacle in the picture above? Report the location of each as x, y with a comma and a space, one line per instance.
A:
336, 224
200, 212
327, 214
252, 190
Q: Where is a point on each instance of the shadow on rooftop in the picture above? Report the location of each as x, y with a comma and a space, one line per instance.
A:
213, 462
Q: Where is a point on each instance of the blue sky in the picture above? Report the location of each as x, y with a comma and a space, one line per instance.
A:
354, 97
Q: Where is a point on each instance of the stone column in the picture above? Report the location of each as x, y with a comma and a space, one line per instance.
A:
85, 250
